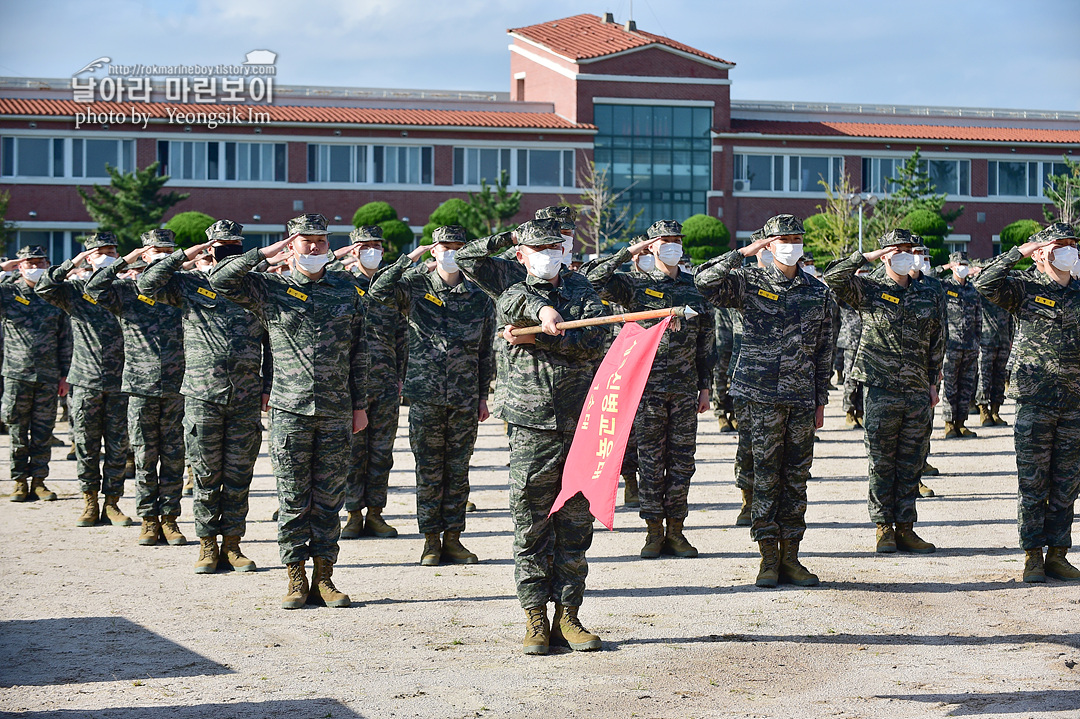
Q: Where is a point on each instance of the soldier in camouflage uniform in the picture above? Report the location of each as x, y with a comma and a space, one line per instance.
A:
387, 345
154, 368
783, 371
848, 343
995, 346
961, 345
315, 319
98, 405
547, 378
225, 349
1046, 386
724, 344
899, 364
451, 364
677, 390
35, 367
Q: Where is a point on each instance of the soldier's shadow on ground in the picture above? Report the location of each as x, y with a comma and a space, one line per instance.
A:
41, 652
973, 704
291, 708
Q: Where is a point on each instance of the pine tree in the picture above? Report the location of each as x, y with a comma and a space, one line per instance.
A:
131, 205
490, 208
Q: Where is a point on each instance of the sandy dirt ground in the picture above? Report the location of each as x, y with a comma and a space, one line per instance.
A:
94, 625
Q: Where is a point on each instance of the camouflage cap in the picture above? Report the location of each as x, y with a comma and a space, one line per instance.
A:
958, 257
310, 224
158, 238
1058, 231
32, 252
225, 231
99, 239
783, 225
138, 264
665, 228
449, 233
757, 235
366, 233
807, 255
565, 214
916, 241
898, 237
537, 233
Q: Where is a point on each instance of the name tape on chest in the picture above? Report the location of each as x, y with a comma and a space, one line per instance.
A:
89, 299
22, 300
890, 298
207, 293
769, 295
148, 300
950, 293
653, 293
433, 299
1045, 301
297, 294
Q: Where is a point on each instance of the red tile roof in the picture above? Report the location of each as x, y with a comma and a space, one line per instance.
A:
304, 113
906, 132
587, 37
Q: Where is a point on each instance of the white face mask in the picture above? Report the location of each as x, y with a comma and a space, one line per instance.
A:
545, 264
155, 256
646, 263
787, 253
919, 263
102, 261
310, 263
962, 271
902, 262
765, 257
371, 258
1064, 258
446, 261
203, 267
810, 270
1076, 270
568, 249
33, 274
669, 253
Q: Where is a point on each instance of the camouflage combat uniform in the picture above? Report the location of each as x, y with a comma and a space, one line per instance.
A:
153, 371
995, 345
848, 341
1045, 383
98, 405
961, 347
724, 345
898, 360
225, 350
320, 366
744, 451
450, 368
37, 354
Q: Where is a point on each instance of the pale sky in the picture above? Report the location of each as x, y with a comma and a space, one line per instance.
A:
975, 53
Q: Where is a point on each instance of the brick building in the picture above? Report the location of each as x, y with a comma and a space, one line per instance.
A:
656, 113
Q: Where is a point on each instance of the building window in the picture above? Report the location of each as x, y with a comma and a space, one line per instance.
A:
217, 161
473, 165
186, 160
255, 161
659, 157
1020, 179
957, 243
32, 157
392, 164
337, 163
545, 168
786, 173
89, 158
60, 245
948, 177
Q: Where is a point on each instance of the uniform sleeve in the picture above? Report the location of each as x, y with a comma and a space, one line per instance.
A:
389, 286
720, 282
520, 309
705, 354
823, 358
995, 284
937, 344
54, 288
359, 360
64, 344
401, 349
5, 290
161, 282
267, 364
842, 280
610, 284
493, 275
233, 277
101, 287
487, 351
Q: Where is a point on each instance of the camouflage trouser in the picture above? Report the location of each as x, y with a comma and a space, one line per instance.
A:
744, 453
222, 445
29, 411
549, 552
720, 397
853, 389
97, 417
666, 431
992, 375
959, 371
839, 364
442, 440
630, 458
1047, 441
373, 454
897, 440
310, 456
783, 452
156, 430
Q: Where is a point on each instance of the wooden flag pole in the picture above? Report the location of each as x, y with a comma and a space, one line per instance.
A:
681, 312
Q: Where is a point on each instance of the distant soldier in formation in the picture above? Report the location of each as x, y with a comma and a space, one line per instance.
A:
783, 371
98, 405
1046, 386
725, 413
995, 346
961, 345
451, 326
37, 358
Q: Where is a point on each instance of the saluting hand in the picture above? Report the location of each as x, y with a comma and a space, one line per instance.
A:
10, 265
1028, 248
881, 254
755, 247
638, 247
416, 254
133, 255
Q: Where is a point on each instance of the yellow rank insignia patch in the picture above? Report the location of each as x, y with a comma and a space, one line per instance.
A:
22, 300
147, 300
604, 302
653, 293
890, 298
359, 292
952, 294
89, 299
770, 295
297, 294
433, 299
207, 293
1044, 301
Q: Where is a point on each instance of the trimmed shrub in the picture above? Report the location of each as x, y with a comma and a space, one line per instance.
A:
190, 228
704, 237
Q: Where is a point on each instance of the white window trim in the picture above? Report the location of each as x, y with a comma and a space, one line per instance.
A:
370, 167
178, 182
512, 172
652, 101
930, 156
794, 194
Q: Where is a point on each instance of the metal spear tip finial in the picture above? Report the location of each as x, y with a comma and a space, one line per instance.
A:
687, 312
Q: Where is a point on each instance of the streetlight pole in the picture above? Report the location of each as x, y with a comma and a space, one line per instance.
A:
860, 199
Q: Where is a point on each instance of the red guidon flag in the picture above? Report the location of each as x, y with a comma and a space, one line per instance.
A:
596, 454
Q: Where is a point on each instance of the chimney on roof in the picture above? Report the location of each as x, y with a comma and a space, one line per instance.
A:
631, 26
609, 18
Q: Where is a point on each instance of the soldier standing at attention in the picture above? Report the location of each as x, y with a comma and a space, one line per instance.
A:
899, 364
782, 372
224, 352
665, 426
315, 319
388, 349
37, 357
995, 346
451, 329
154, 343
1046, 386
547, 379
961, 345
98, 406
